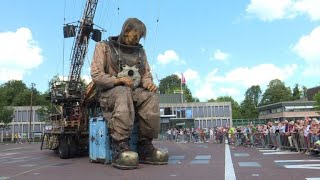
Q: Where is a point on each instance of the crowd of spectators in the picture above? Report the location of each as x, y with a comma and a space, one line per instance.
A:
301, 135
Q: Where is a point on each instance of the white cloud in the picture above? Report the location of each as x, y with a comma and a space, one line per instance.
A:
308, 48
309, 7
19, 54
258, 75
205, 92
236, 81
168, 57
229, 91
269, 10
219, 55
189, 75
86, 78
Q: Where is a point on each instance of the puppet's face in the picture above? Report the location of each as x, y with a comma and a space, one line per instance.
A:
132, 37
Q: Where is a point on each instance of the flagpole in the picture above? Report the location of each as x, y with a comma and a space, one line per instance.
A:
181, 88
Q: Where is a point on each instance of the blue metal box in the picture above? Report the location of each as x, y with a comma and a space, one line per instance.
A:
100, 140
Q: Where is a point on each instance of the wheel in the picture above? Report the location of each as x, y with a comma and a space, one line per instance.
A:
64, 148
56, 151
72, 147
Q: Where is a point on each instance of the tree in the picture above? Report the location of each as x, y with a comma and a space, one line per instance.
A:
6, 115
253, 94
276, 92
236, 114
10, 91
304, 92
44, 113
296, 93
316, 98
172, 84
249, 106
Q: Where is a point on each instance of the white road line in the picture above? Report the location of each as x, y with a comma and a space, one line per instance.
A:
14, 149
267, 150
281, 152
299, 160
228, 166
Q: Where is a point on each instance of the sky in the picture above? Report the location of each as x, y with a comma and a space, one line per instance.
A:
222, 47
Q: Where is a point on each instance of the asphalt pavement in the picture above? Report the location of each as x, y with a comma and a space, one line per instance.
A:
192, 161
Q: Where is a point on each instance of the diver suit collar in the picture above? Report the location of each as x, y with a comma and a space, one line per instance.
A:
115, 43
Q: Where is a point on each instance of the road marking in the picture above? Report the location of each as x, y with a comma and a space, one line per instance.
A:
282, 152
175, 159
267, 150
228, 169
303, 166
201, 159
314, 178
14, 149
241, 155
6, 154
300, 160
249, 164
182, 146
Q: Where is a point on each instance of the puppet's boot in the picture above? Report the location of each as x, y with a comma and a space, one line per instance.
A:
148, 154
122, 157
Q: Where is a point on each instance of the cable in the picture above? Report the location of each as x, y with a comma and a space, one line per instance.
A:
63, 46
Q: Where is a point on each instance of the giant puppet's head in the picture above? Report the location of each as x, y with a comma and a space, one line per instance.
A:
132, 31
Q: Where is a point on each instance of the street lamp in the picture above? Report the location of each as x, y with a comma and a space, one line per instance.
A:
29, 138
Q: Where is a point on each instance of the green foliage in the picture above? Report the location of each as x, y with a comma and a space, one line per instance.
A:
316, 98
43, 113
253, 95
171, 84
195, 99
6, 115
16, 93
248, 109
304, 91
276, 92
296, 93
249, 106
10, 90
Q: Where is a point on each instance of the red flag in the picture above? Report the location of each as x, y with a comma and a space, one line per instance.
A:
183, 80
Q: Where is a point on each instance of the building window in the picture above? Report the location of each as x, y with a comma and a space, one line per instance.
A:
214, 123
167, 111
209, 111
200, 111
204, 124
37, 127
161, 111
226, 111
188, 112
224, 122
196, 123
216, 111
221, 111
195, 112
25, 116
209, 122
219, 122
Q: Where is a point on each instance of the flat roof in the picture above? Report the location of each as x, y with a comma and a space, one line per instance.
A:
286, 103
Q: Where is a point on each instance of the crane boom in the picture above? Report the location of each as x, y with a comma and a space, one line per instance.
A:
80, 46
68, 134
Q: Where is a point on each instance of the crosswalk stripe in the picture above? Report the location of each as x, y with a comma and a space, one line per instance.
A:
281, 152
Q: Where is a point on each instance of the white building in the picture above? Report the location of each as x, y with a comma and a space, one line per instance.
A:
20, 123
